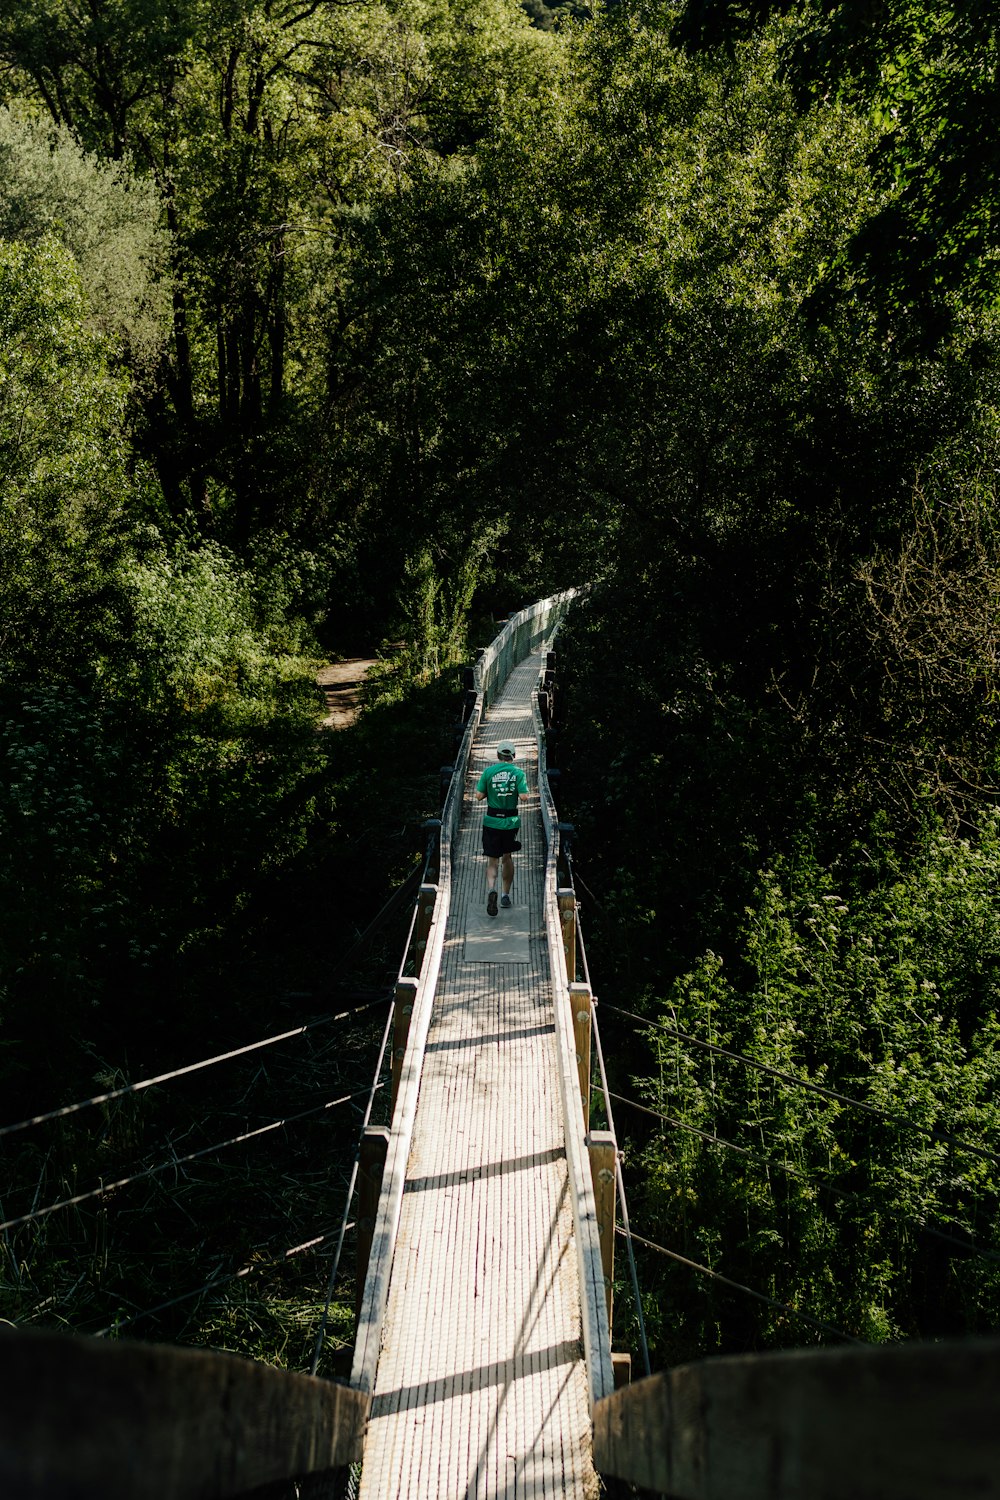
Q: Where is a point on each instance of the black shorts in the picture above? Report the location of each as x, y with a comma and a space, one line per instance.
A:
499, 841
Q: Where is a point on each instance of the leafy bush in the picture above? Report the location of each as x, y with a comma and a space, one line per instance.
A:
64, 486
105, 216
878, 980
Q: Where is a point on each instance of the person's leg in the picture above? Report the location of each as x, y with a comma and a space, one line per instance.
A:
507, 871
492, 860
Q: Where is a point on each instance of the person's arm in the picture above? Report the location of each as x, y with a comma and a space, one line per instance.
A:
480, 795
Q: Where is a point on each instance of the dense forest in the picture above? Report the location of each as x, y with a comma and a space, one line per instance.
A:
330, 327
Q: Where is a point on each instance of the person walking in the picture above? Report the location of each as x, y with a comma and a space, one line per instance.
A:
499, 786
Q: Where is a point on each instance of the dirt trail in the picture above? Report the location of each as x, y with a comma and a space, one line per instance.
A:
341, 687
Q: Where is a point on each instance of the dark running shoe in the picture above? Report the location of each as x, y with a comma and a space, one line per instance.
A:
505, 902
491, 903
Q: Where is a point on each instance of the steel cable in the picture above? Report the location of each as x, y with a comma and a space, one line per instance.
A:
208, 1062
251, 1265
748, 1290
179, 1161
900, 1121
335, 1266
970, 1246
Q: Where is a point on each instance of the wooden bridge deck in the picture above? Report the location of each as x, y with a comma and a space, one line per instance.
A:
481, 1388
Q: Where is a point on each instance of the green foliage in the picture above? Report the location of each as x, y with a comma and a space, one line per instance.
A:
104, 215
271, 132
882, 986
230, 873
925, 73
197, 641
64, 485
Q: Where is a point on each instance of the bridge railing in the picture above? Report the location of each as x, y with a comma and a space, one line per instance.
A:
385, 1153
898, 1422
591, 1155
522, 633
86, 1417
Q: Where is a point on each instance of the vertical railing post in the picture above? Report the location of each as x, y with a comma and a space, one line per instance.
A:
371, 1164
567, 918
580, 1007
603, 1153
425, 915
549, 689
406, 990
432, 850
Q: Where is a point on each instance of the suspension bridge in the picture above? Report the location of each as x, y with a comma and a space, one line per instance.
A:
486, 1215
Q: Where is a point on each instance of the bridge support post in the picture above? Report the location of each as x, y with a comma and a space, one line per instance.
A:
567, 918
579, 1001
406, 990
549, 687
603, 1154
371, 1164
425, 914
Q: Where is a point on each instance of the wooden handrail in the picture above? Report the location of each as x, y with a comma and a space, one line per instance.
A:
84, 1417
596, 1328
896, 1422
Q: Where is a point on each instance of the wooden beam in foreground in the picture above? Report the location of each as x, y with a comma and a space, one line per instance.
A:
83, 1418
901, 1422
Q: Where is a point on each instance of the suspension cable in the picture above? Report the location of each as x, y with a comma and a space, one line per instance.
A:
179, 1161
208, 1062
845, 1195
305, 1248
335, 1265
900, 1121
718, 1140
619, 1177
621, 1189
749, 1291
581, 946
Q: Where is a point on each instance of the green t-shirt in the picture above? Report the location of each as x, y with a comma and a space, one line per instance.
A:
503, 782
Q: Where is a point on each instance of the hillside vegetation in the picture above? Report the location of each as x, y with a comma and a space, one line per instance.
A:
328, 328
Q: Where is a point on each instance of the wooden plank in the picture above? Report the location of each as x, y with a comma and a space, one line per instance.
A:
425, 914
94, 1419
603, 1154
901, 1422
406, 996
580, 1010
566, 897
371, 1167
481, 1389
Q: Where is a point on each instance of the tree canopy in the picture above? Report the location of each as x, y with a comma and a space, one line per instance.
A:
925, 73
